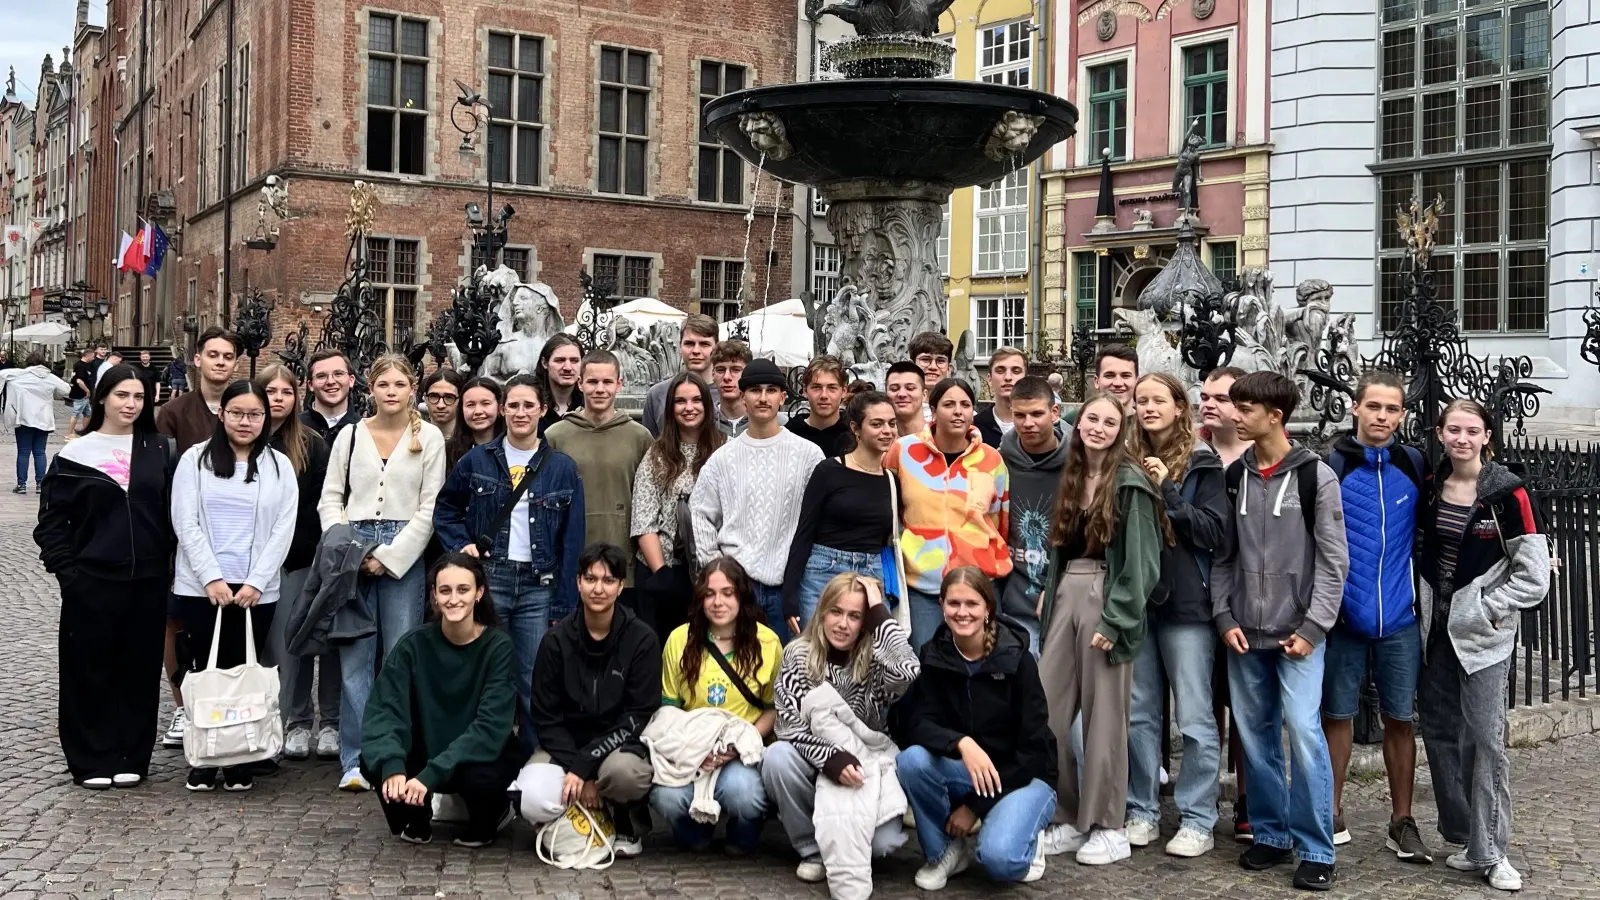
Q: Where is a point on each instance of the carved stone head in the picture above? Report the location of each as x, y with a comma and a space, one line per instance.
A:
1314, 292
1011, 135
767, 134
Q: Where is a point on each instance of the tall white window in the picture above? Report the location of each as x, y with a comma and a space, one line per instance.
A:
998, 322
824, 271
943, 247
1003, 225
1006, 53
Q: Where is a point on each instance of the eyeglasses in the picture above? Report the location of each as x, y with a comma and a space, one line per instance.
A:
928, 359
325, 377
446, 399
242, 416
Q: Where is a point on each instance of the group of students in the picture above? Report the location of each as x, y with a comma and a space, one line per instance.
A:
976, 615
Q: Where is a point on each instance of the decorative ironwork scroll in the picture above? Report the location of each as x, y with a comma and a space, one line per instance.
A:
253, 324
596, 320
296, 352
474, 320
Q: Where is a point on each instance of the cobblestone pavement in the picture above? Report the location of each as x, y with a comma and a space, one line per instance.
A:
295, 836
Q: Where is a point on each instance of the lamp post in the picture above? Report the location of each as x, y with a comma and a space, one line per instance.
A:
488, 236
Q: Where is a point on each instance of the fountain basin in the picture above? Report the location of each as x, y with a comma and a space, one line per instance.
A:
954, 133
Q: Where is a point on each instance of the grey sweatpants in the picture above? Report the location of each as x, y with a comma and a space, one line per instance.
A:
296, 673
1078, 679
1464, 733
791, 783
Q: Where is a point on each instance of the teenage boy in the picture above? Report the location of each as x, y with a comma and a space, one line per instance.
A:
1276, 589
931, 351
906, 386
1116, 371
331, 380
82, 390
1007, 366
608, 446
694, 348
746, 502
595, 687
1381, 482
1034, 451
824, 385
1216, 414
108, 358
728, 361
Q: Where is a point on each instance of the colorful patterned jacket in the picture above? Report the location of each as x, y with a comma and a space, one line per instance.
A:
953, 515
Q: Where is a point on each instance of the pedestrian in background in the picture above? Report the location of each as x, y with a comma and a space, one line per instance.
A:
30, 411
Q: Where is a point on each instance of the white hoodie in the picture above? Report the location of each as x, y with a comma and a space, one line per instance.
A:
30, 397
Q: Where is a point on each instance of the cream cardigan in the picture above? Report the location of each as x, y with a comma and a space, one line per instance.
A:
401, 491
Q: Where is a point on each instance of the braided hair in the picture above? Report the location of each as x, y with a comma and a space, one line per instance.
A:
399, 363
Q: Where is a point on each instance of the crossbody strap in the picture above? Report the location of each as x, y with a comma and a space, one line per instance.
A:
727, 669
485, 541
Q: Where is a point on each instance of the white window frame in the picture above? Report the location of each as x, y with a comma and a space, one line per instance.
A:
826, 270
984, 347
1015, 71
942, 247
1084, 155
1177, 126
1009, 200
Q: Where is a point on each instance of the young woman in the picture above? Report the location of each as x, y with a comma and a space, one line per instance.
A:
30, 395
441, 395
978, 742
661, 490
955, 500
557, 372
1179, 634
1483, 562
1108, 532
727, 619
439, 719
308, 456
104, 531
234, 505
383, 477
847, 514
478, 421
854, 645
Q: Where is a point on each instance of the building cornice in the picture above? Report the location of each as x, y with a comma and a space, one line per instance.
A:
1160, 162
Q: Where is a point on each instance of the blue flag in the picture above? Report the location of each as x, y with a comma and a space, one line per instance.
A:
158, 250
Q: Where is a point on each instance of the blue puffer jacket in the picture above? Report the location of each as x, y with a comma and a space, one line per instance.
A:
1381, 490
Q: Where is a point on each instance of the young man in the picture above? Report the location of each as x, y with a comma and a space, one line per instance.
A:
694, 348
82, 390
824, 384
728, 361
931, 351
1034, 451
1216, 414
608, 446
108, 357
906, 386
1276, 589
595, 687
746, 503
147, 375
1116, 371
1007, 366
1381, 483
331, 381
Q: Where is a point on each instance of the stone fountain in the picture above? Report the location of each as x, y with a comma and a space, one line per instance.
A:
885, 146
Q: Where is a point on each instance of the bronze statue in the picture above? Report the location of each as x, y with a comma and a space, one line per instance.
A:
876, 18
1186, 177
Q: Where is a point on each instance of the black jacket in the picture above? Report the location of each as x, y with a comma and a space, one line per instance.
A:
315, 421
1183, 595
989, 427
307, 524
593, 697
87, 520
1002, 708
324, 614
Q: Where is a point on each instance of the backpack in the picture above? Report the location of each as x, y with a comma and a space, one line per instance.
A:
1409, 462
1305, 487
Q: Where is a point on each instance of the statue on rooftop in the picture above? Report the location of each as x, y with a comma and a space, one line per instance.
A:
1186, 176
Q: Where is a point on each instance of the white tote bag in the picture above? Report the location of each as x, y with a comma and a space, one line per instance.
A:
577, 839
233, 713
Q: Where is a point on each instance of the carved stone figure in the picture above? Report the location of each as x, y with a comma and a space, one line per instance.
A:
1186, 175
1106, 28
1306, 323
636, 361
363, 206
1011, 135
275, 200
529, 315
887, 253
845, 321
1156, 352
877, 18
767, 134
1143, 220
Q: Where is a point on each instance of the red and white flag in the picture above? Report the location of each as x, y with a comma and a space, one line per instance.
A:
14, 242
122, 250
137, 254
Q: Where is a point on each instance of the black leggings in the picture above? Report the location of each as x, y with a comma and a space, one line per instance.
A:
200, 619
481, 787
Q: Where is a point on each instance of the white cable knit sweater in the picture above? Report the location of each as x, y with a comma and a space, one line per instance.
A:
680, 741
746, 503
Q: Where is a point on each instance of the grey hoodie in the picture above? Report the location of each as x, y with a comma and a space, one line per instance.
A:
1033, 499
1274, 578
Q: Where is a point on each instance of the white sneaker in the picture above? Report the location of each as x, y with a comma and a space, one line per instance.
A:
353, 781
1036, 868
627, 847
1142, 833
1189, 842
1104, 847
297, 745
97, 784
327, 743
126, 779
1063, 838
1502, 877
811, 870
1461, 863
174, 735
956, 858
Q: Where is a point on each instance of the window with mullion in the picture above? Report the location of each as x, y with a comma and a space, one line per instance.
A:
1108, 110
397, 94
1087, 266
1006, 54
1002, 220
516, 108
393, 266
1205, 90
720, 171
624, 121
824, 271
1000, 323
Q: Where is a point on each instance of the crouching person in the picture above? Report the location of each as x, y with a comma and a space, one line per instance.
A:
835, 686
981, 746
706, 743
440, 715
595, 685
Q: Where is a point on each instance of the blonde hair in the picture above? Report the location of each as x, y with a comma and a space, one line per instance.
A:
1176, 446
973, 577
399, 364
815, 641
1471, 408
294, 431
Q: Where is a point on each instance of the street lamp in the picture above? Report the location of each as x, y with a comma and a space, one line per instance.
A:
488, 237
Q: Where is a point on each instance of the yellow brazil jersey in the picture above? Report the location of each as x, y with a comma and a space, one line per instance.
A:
713, 687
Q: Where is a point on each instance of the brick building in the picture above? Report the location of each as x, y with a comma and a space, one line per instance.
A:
595, 125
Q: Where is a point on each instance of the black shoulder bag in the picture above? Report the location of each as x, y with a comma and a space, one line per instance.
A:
727, 669
485, 541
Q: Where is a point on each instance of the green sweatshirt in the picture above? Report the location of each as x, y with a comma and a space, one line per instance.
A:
440, 703
1133, 566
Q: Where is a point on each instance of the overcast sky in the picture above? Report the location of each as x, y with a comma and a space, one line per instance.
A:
32, 28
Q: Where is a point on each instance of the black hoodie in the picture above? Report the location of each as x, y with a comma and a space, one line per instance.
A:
1002, 708
87, 520
1183, 596
307, 524
594, 697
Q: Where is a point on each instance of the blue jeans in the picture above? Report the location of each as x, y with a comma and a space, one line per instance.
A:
825, 563
30, 442
1396, 663
926, 617
1179, 655
1010, 831
1270, 690
522, 601
744, 804
396, 605
770, 597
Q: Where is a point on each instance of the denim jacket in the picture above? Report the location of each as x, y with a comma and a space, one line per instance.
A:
479, 486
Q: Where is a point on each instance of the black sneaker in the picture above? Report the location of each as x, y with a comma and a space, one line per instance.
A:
20, 489
1406, 841
1260, 857
237, 778
474, 841
1241, 822
1341, 834
417, 833
202, 780
1314, 876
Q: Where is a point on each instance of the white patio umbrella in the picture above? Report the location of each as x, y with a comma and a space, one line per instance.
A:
41, 333
778, 333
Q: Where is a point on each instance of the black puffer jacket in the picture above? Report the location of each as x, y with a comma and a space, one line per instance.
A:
1002, 708
87, 520
1183, 597
593, 697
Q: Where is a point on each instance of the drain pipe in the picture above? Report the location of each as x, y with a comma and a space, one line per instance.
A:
808, 212
1036, 195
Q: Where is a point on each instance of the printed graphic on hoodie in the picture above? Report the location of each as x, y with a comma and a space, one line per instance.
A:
1031, 523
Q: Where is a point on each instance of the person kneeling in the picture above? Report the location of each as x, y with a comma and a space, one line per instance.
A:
440, 715
595, 686
980, 731
835, 686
